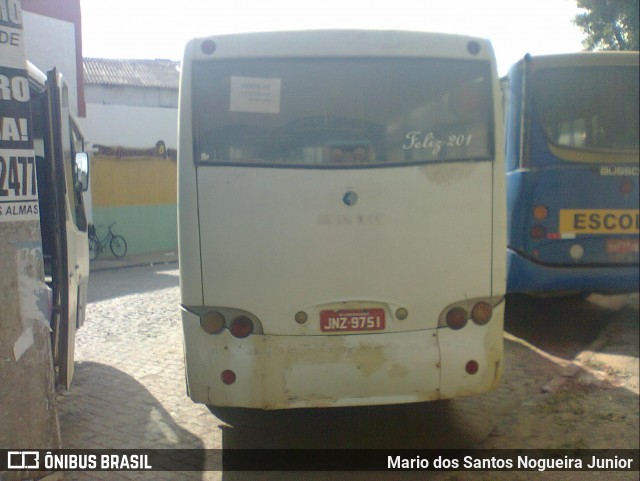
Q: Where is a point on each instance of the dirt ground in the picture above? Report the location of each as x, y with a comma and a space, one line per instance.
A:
583, 397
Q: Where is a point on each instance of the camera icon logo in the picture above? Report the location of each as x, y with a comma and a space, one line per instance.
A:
23, 460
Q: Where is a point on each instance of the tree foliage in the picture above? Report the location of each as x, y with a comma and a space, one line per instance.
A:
609, 24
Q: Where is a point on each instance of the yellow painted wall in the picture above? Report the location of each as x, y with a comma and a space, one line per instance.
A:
132, 181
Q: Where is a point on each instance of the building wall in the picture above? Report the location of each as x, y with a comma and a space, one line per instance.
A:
136, 192
131, 96
53, 38
47, 42
139, 194
130, 126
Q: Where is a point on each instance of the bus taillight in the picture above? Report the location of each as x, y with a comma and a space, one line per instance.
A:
538, 232
481, 313
241, 327
540, 212
212, 322
457, 318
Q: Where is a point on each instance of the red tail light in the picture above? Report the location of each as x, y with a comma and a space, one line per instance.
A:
457, 318
538, 232
241, 327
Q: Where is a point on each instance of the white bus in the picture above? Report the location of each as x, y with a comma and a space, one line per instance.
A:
341, 219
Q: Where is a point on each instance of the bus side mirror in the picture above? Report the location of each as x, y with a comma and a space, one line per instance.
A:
82, 171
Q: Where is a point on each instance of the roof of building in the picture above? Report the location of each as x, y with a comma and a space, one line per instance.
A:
131, 73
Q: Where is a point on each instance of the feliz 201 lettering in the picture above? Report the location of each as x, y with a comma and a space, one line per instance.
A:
418, 140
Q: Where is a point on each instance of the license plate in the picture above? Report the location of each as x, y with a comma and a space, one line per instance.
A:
622, 246
352, 320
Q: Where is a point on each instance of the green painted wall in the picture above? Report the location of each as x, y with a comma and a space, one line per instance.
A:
146, 228
139, 194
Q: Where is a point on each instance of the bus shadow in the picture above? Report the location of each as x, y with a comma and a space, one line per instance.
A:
424, 426
108, 409
370, 427
560, 326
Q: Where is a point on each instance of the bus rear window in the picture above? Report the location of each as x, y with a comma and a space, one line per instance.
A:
589, 108
342, 112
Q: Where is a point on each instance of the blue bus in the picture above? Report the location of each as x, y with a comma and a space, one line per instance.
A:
572, 174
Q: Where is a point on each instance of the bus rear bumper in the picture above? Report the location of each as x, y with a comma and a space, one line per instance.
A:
280, 372
527, 277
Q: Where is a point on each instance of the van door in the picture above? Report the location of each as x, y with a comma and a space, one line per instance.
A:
70, 271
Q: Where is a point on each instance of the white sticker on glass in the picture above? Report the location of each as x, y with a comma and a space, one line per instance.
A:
256, 95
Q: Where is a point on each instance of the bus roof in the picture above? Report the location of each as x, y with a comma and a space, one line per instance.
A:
346, 43
583, 59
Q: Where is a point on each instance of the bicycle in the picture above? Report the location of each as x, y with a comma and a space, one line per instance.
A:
117, 243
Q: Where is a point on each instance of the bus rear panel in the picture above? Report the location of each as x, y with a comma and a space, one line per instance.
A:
572, 174
341, 196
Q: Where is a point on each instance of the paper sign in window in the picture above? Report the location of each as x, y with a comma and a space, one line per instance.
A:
256, 95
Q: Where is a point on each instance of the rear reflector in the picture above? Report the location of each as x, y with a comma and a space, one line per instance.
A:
228, 376
471, 367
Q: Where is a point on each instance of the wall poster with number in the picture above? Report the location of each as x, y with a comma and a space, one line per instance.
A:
18, 188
